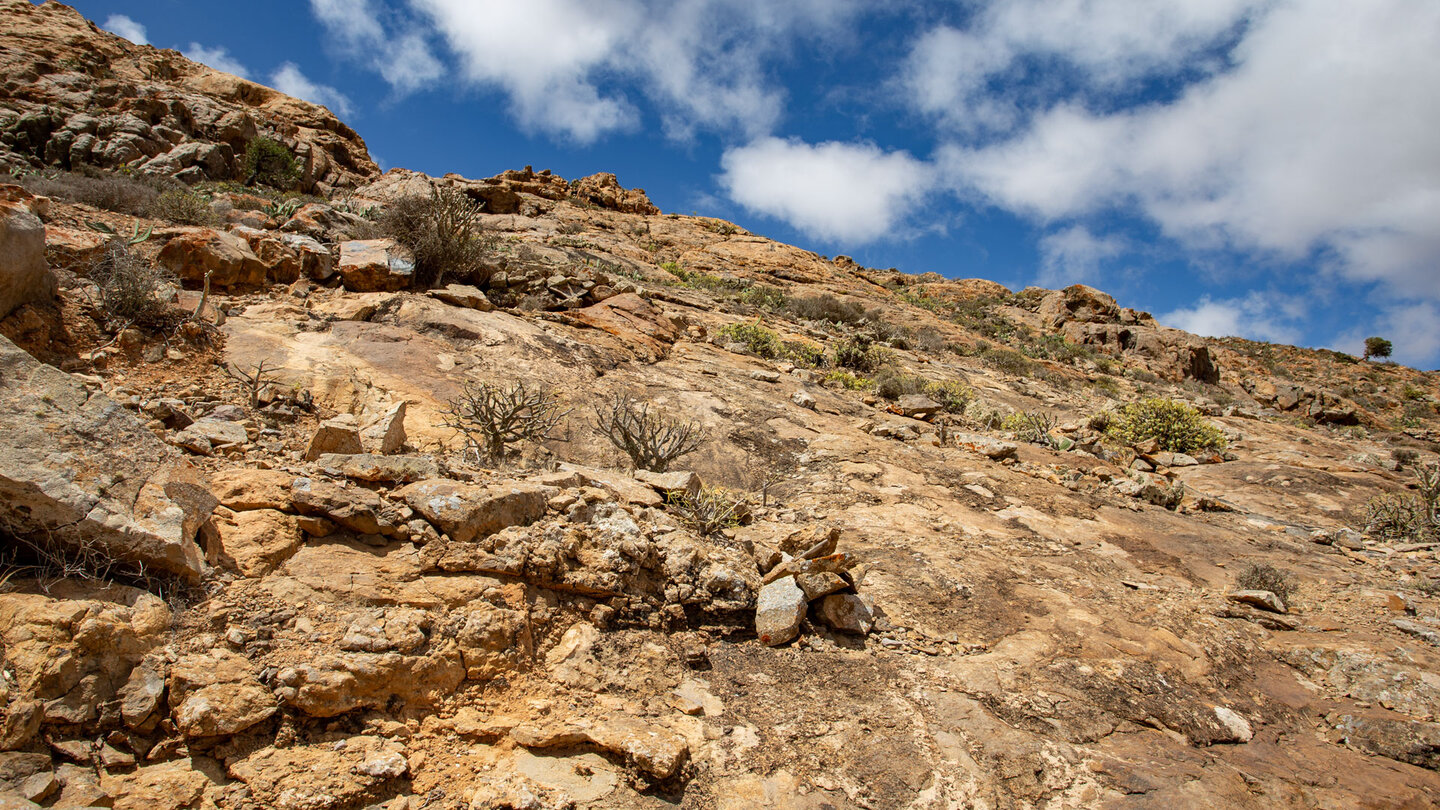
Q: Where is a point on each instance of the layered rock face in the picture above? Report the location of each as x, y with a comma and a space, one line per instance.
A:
247, 560
76, 96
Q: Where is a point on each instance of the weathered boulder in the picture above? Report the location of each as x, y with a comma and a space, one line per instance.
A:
467, 511
241, 489
656, 751
384, 432
679, 482
371, 467
217, 694
24, 275
359, 510
604, 189
192, 254
847, 613
463, 295
335, 684
256, 542
340, 435
1078, 303
778, 611
375, 265
917, 406
355, 772
78, 468
634, 320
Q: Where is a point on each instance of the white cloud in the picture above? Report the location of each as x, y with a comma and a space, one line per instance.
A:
120, 25
977, 79
1414, 329
396, 50
1074, 255
1268, 316
289, 80
217, 58
1318, 140
704, 63
844, 193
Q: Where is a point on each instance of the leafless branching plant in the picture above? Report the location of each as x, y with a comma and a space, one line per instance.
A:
652, 440
253, 379
492, 417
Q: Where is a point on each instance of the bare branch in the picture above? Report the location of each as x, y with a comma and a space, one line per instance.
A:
491, 418
652, 440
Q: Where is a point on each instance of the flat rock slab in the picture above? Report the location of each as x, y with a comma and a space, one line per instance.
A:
467, 511
1265, 600
372, 467
80, 468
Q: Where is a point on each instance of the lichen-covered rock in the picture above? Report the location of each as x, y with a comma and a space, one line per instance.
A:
466, 511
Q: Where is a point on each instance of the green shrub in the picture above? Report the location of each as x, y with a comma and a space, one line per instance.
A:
953, 395
763, 296
806, 355
182, 206
440, 230
860, 354
826, 308
757, 340
270, 163
892, 383
1177, 427
1009, 361
849, 381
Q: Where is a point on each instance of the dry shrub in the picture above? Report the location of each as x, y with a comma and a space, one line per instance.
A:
1266, 577
132, 290
440, 230
652, 440
492, 417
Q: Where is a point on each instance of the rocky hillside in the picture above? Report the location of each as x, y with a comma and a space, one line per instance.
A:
932, 543
73, 96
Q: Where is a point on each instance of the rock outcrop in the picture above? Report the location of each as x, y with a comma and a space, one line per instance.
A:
77, 468
78, 96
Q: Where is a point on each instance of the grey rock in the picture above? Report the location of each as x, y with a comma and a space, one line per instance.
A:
918, 406
765, 376
778, 611
24, 275
1236, 726
1418, 630
385, 432
340, 435
803, 399
371, 467
682, 481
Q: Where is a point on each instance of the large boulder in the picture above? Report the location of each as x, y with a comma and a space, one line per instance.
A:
226, 258
467, 511
375, 265
24, 275
634, 320
1078, 303
83, 472
604, 190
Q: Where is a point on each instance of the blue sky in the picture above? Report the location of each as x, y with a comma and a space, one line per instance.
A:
1266, 168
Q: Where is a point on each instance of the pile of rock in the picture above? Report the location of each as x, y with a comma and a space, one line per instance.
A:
806, 575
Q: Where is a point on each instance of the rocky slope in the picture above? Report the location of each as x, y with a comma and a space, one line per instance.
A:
303, 593
75, 96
